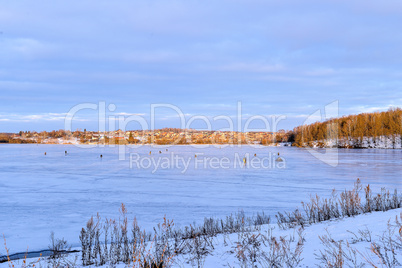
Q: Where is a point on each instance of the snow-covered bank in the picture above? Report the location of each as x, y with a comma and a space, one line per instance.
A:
355, 234
380, 142
345, 230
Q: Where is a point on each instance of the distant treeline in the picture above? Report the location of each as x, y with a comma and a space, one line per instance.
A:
7, 138
351, 127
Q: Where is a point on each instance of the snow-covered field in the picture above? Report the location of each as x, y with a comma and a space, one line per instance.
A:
57, 192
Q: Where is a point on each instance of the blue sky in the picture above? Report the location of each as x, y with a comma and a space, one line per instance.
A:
276, 57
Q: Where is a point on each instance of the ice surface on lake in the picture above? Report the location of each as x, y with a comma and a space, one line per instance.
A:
57, 192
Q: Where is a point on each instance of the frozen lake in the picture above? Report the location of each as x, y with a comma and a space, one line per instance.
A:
57, 192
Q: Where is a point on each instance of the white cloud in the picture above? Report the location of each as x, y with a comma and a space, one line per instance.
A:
128, 114
252, 67
37, 117
25, 48
370, 109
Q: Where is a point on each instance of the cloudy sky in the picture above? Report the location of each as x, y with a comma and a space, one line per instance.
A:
287, 58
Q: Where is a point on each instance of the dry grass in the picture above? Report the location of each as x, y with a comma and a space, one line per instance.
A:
25, 263
348, 204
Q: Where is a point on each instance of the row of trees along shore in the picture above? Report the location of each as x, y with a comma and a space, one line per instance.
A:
376, 124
